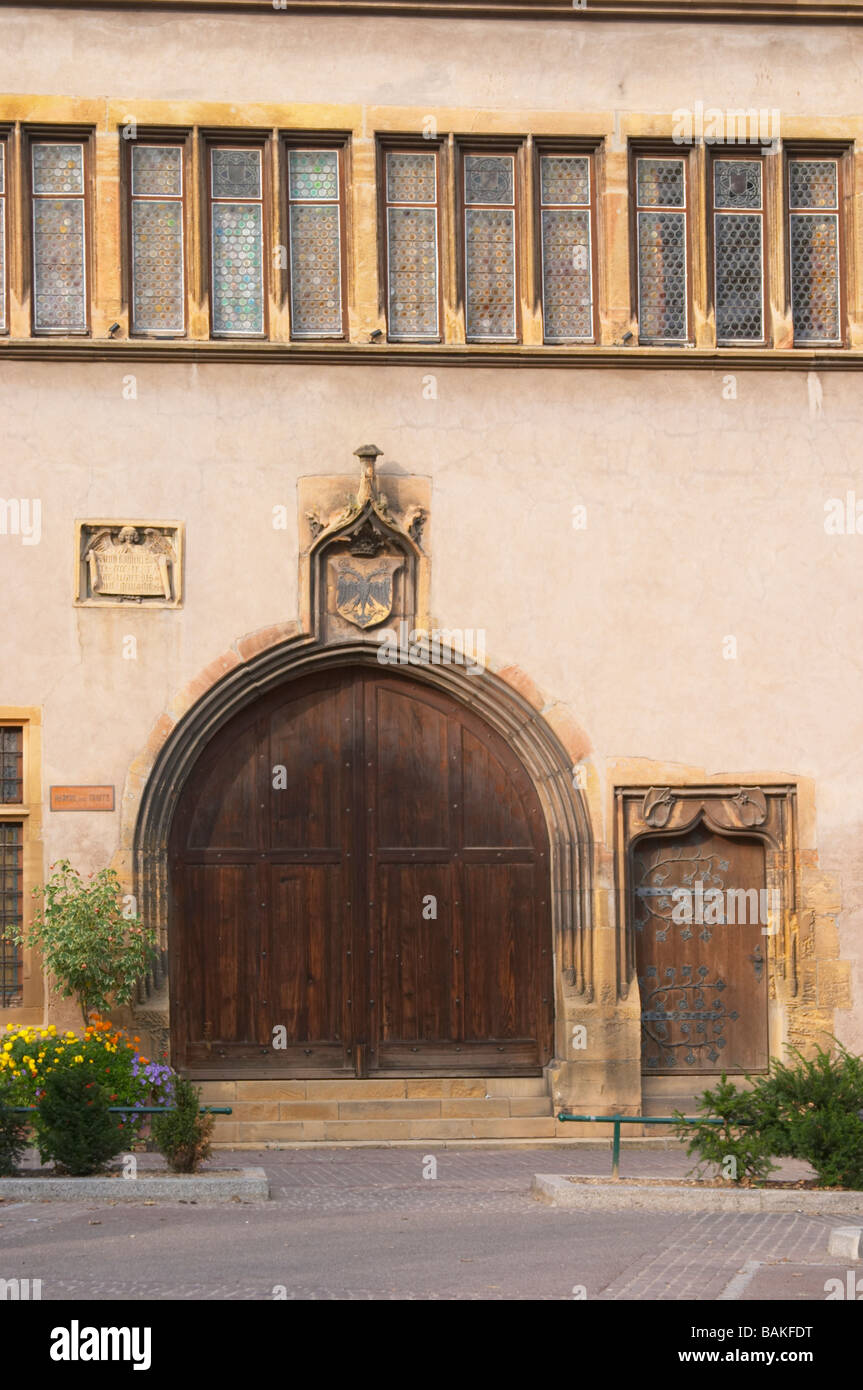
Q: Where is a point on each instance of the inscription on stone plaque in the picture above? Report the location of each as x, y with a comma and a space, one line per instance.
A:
122, 562
82, 798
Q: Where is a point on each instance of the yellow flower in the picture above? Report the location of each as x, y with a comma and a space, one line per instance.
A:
79, 1058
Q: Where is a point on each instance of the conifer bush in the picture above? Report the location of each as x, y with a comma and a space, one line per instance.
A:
183, 1135
74, 1125
808, 1108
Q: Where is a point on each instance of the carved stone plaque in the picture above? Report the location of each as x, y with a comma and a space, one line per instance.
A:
128, 562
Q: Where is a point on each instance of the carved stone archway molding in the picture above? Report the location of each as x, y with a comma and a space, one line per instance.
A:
528, 734
767, 813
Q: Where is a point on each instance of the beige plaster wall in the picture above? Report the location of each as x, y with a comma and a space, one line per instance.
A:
283, 57
705, 497
705, 520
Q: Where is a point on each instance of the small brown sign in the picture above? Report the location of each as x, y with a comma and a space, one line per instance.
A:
82, 798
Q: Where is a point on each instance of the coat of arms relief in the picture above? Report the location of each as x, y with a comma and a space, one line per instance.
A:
365, 558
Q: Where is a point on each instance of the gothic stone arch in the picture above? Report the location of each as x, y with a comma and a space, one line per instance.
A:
528, 733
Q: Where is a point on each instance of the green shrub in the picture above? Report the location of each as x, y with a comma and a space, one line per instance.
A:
97, 953
184, 1135
13, 1133
74, 1126
809, 1110
737, 1146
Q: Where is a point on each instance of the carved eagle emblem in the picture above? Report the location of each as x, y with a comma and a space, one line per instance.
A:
364, 598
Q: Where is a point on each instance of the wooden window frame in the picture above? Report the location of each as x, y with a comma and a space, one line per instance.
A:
238, 140
60, 135
735, 154
338, 141
583, 149
28, 813
514, 147
662, 150
5, 145
842, 154
176, 139
411, 145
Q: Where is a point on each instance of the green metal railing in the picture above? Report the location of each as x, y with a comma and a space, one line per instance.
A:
618, 1120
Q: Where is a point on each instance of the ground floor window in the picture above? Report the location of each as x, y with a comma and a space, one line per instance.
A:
11, 904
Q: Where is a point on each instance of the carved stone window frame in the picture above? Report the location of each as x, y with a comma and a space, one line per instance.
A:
765, 812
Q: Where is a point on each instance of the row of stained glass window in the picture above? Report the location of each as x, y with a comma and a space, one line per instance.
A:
237, 242
737, 211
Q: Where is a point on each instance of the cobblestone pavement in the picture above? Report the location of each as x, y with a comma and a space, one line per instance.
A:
368, 1225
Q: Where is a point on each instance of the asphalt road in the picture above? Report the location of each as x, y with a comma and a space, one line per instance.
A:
367, 1224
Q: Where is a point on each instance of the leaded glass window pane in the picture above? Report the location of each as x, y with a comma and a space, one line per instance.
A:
566, 275
58, 170
412, 244
238, 294
236, 173
59, 248
316, 293
739, 278
411, 177
813, 183
157, 171
737, 183
565, 179
814, 238
314, 175
662, 234
316, 254
237, 242
661, 183
11, 904
662, 277
158, 297
412, 264
488, 178
490, 247
815, 277
2, 238
566, 253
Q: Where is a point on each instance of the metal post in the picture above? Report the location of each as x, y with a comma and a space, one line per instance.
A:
615, 1149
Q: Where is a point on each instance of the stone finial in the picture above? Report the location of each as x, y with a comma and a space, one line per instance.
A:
367, 454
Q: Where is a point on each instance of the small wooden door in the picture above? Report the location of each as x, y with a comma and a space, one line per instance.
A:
360, 862
700, 915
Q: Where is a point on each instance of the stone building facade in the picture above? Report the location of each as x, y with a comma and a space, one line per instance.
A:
535, 327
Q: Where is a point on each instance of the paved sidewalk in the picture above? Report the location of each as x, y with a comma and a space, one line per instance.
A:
366, 1224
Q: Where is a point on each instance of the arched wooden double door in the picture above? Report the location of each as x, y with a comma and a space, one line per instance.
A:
359, 875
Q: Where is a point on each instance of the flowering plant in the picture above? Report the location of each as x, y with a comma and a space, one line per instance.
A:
29, 1055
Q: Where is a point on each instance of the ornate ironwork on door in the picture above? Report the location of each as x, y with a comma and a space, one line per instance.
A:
698, 912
